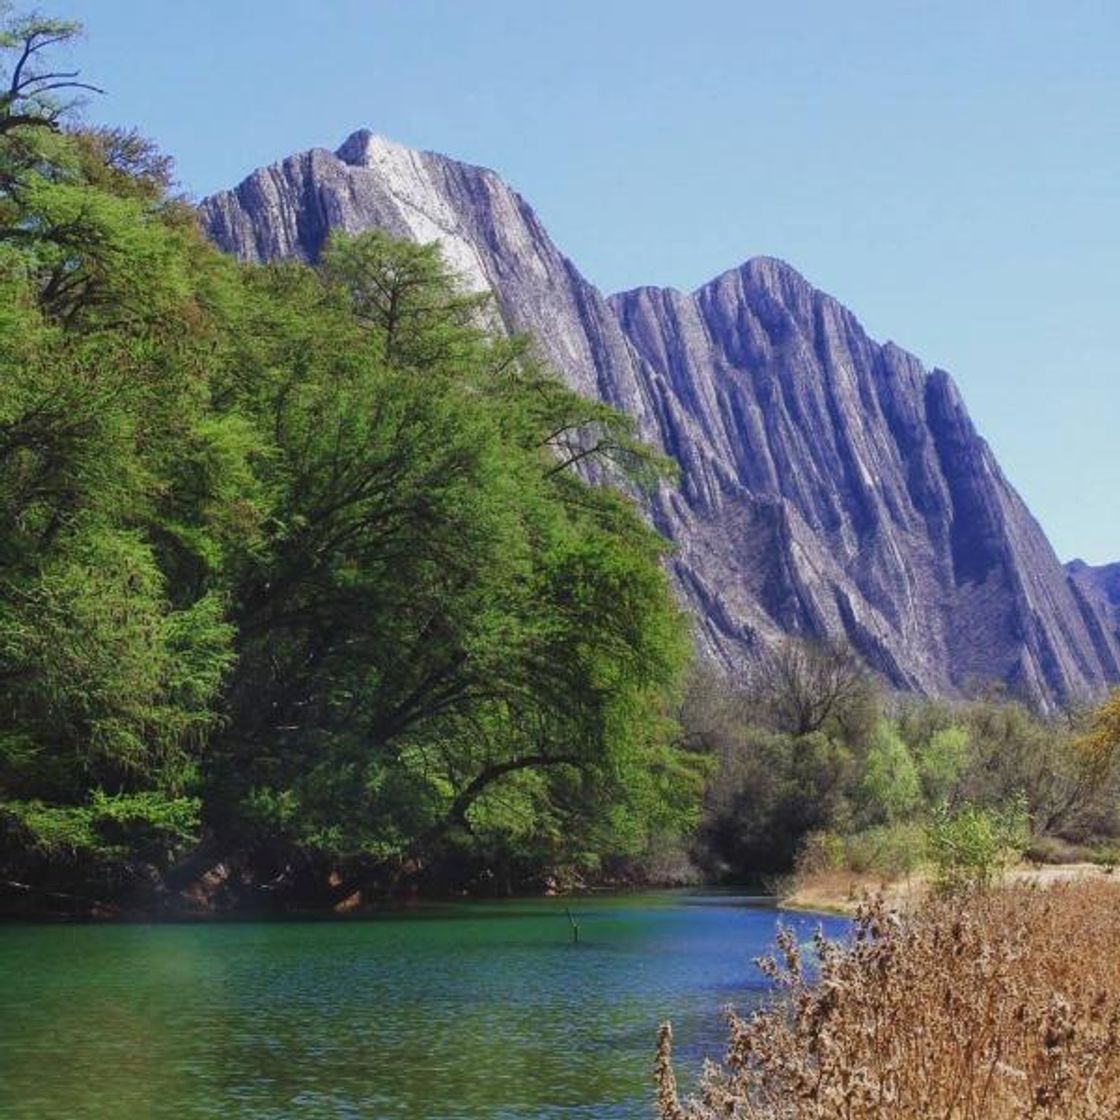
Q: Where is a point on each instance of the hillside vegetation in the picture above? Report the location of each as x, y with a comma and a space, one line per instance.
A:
299, 587
817, 770
306, 598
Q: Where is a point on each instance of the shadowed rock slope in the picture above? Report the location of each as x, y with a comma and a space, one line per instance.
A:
830, 484
1098, 589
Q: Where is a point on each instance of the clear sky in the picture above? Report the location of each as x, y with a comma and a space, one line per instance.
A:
950, 170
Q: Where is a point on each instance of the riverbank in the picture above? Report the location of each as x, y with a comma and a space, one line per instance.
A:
841, 892
208, 898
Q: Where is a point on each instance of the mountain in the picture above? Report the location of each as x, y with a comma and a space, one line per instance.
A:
1099, 588
830, 485
1103, 580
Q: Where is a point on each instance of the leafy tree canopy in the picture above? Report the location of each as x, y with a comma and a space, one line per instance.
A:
299, 570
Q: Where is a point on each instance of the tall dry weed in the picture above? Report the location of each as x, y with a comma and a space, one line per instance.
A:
989, 1006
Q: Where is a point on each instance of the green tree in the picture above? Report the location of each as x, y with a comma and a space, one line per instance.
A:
942, 761
439, 610
300, 569
889, 787
973, 845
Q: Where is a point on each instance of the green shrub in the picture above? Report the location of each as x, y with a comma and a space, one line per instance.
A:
1107, 858
890, 851
1053, 850
890, 788
821, 851
970, 847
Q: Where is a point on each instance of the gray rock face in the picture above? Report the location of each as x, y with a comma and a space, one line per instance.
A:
1097, 589
830, 484
1103, 580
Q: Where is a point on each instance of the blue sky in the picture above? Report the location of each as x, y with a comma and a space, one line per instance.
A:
951, 171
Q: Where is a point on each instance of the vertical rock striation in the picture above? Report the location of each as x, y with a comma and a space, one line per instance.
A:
1097, 590
829, 484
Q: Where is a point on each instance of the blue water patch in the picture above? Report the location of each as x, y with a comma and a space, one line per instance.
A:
456, 1012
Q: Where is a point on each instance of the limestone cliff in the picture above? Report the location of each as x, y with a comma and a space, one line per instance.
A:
830, 484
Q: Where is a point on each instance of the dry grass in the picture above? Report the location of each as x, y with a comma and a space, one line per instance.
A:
842, 892
985, 1007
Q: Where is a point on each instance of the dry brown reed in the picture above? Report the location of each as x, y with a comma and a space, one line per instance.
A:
980, 1007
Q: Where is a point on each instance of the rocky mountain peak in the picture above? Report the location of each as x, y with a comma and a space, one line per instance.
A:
830, 485
359, 149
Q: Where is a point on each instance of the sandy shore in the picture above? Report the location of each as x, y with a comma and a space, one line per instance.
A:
840, 892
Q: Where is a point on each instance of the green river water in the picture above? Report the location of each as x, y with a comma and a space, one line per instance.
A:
456, 1012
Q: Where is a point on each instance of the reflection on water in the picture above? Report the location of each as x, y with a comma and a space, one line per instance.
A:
450, 1013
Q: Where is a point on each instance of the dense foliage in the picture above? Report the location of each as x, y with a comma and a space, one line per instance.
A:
304, 592
818, 768
300, 590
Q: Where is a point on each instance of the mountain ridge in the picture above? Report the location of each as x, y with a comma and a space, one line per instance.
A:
830, 484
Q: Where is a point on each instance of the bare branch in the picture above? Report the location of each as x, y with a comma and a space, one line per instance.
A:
22, 103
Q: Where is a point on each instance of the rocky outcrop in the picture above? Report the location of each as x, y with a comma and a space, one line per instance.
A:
829, 484
1097, 589
1102, 581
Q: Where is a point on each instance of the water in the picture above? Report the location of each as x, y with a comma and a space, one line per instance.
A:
458, 1012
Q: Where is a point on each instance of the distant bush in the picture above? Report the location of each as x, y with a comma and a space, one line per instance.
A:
1107, 859
970, 847
822, 851
666, 862
1055, 850
889, 851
